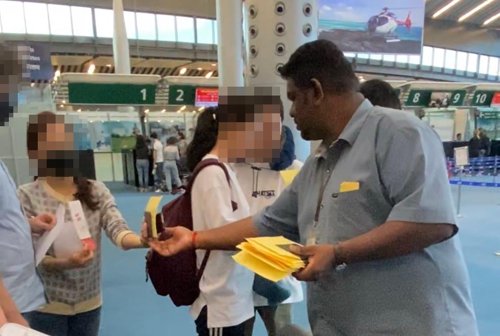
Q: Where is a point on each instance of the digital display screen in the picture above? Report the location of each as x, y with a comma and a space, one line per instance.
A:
206, 97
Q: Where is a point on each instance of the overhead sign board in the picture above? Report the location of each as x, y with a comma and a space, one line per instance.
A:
181, 95
111, 94
496, 100
419, 98
482, 98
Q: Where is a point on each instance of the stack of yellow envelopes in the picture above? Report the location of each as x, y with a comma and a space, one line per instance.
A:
268, 257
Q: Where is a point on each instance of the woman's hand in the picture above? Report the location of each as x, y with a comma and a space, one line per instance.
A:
42, 222
80, 259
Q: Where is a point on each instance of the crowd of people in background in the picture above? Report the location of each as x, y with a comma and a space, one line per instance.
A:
164, 162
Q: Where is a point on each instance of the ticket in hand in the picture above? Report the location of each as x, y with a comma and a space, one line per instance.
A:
150, 216
81, 225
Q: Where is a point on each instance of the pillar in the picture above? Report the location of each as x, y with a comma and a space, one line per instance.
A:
121, 53
273, 30
230, 45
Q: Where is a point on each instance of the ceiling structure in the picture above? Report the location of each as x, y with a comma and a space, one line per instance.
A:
486, 9
143, 66
206, 8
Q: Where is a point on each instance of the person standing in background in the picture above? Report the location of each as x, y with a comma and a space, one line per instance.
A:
158, 160
183, 145
380, 93
142, 162
171, 157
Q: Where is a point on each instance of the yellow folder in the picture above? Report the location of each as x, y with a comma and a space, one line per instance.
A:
150, 215
268, 257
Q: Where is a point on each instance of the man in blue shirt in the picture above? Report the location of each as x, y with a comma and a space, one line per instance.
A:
373, 207
21, 290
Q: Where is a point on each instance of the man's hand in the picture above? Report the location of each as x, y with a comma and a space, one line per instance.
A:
43, 222
179, 239
321, 260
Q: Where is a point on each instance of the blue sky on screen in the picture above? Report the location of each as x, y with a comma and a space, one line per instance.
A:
362, 10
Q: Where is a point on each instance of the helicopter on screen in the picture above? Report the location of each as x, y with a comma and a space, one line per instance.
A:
386, 22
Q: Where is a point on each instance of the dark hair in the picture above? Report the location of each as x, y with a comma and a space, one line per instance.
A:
154, 135
282, 111
324, 61
205, 136
380, 93
181, 136
171, 141
140, 141
38, 125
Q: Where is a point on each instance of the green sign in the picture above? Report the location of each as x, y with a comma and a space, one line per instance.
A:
418, 98
181, 95
482, 98
457, 98
112, 94
488, 115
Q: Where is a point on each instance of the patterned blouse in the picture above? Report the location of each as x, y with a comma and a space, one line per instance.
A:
76, 290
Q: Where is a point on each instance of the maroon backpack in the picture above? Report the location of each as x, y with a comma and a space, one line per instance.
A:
177, 276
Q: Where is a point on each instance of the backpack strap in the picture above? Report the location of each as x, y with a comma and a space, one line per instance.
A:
199, 167
203, 164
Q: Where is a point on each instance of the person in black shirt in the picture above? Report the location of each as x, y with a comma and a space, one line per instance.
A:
142, 162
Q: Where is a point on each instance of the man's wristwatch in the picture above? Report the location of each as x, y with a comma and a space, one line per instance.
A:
339, 262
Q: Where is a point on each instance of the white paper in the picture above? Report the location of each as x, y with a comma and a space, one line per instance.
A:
461, 156
48, 238
67, 241
79, 220
11, 329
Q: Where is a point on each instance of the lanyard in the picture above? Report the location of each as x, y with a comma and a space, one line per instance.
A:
323, 186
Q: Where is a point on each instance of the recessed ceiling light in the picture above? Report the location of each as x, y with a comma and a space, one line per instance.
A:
91, 68
214, 64
183, 71
163, 111
474, 10
146, 111
199, 69
182, 108
209, 74
445, 8
491, 19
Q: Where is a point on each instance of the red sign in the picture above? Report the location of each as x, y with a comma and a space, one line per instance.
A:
206, 97
496, 100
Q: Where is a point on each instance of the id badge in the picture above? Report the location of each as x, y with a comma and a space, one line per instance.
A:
312, 235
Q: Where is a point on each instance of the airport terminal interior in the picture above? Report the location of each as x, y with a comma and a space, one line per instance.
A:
117, 70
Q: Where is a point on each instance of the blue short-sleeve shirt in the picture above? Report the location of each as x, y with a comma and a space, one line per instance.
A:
398, 162
17, 257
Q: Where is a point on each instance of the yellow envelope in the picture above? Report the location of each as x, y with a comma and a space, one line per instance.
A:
150, 215
349, 186
259, 267
288, 176
264, 258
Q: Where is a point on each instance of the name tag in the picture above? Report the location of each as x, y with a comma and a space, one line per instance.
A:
348, 186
